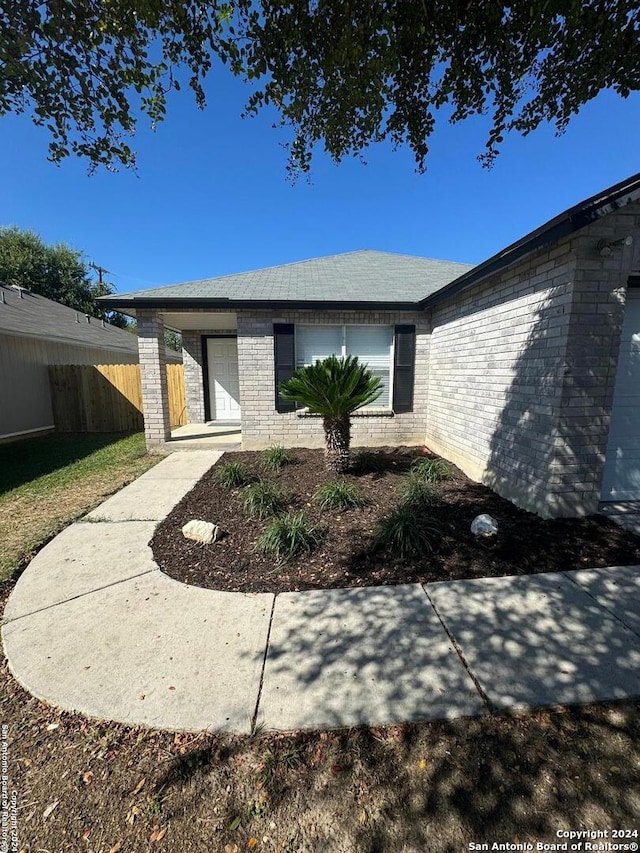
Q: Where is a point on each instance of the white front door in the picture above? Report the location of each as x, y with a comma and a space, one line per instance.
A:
224, 387
621, 477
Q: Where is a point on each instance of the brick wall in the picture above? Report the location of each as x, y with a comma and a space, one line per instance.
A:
262, 425
193, 383
522, 371
153, 373
595, 324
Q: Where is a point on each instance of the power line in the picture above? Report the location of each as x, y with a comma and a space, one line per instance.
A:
100, 270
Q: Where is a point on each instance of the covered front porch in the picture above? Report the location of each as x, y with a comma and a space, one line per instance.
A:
211, 378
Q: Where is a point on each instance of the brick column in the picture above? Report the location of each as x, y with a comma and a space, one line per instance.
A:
192, 356
153, 371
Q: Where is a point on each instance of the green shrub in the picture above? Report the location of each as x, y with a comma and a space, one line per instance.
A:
231, 474
289, 535
405, 533
431, 470
338, 495
415, 490
275, 458
263, 499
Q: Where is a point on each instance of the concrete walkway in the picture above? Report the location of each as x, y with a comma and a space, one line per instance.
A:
94, 626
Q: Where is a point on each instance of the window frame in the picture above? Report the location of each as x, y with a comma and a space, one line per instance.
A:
344, 353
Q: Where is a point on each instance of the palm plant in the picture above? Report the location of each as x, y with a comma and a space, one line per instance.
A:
334, 388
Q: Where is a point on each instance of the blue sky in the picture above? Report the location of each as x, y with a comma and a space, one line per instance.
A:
211, 197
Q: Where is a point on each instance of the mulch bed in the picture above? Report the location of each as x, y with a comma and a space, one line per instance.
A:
526, 544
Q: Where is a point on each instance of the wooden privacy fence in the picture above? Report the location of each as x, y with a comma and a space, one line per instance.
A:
108, 397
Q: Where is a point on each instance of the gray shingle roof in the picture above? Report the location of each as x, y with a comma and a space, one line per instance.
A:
362, 276
34, 316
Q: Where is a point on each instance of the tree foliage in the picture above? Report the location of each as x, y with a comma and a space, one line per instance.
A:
57, 272
341, 73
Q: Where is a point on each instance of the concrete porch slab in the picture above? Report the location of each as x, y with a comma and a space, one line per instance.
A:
81, 559
212, 435
186, 658
625, 514
539, 640
616, 588
346, 657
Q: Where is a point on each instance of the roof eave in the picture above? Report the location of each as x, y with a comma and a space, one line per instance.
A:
186, 303
555, 229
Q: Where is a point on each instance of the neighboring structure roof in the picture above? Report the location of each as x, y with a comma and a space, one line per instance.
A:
364, 277
29, 315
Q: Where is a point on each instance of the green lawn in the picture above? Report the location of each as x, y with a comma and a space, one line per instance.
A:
46, 483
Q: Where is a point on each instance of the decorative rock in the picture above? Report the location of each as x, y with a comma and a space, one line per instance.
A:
201, 531
484, 525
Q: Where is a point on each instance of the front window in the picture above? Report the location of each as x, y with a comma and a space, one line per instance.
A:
372, 344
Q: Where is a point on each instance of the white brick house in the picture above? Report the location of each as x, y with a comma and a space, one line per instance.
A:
524, 370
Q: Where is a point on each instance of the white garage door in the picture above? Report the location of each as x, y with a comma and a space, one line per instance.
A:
224, 388
621, 478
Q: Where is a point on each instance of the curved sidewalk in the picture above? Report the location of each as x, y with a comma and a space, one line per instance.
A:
94, 626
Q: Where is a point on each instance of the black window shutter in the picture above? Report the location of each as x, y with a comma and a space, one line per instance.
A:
285, 361
404, 368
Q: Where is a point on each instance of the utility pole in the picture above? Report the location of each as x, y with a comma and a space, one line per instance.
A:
100, 270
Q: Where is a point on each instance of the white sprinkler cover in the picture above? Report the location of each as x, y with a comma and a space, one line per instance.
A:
484, 525
201, 531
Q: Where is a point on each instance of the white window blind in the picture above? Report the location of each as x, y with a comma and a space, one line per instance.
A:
314, 343
372, 345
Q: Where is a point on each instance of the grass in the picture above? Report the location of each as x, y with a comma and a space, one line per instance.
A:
47, 483
289, 535
338, 495
430, 470
231, 474
275, 458
263, 499
405, 533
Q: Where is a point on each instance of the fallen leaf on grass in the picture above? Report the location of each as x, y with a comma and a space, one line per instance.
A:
116, 848
235, 823
252, 842
138, 787
86, 834
158, 834
87, 777
49, 809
